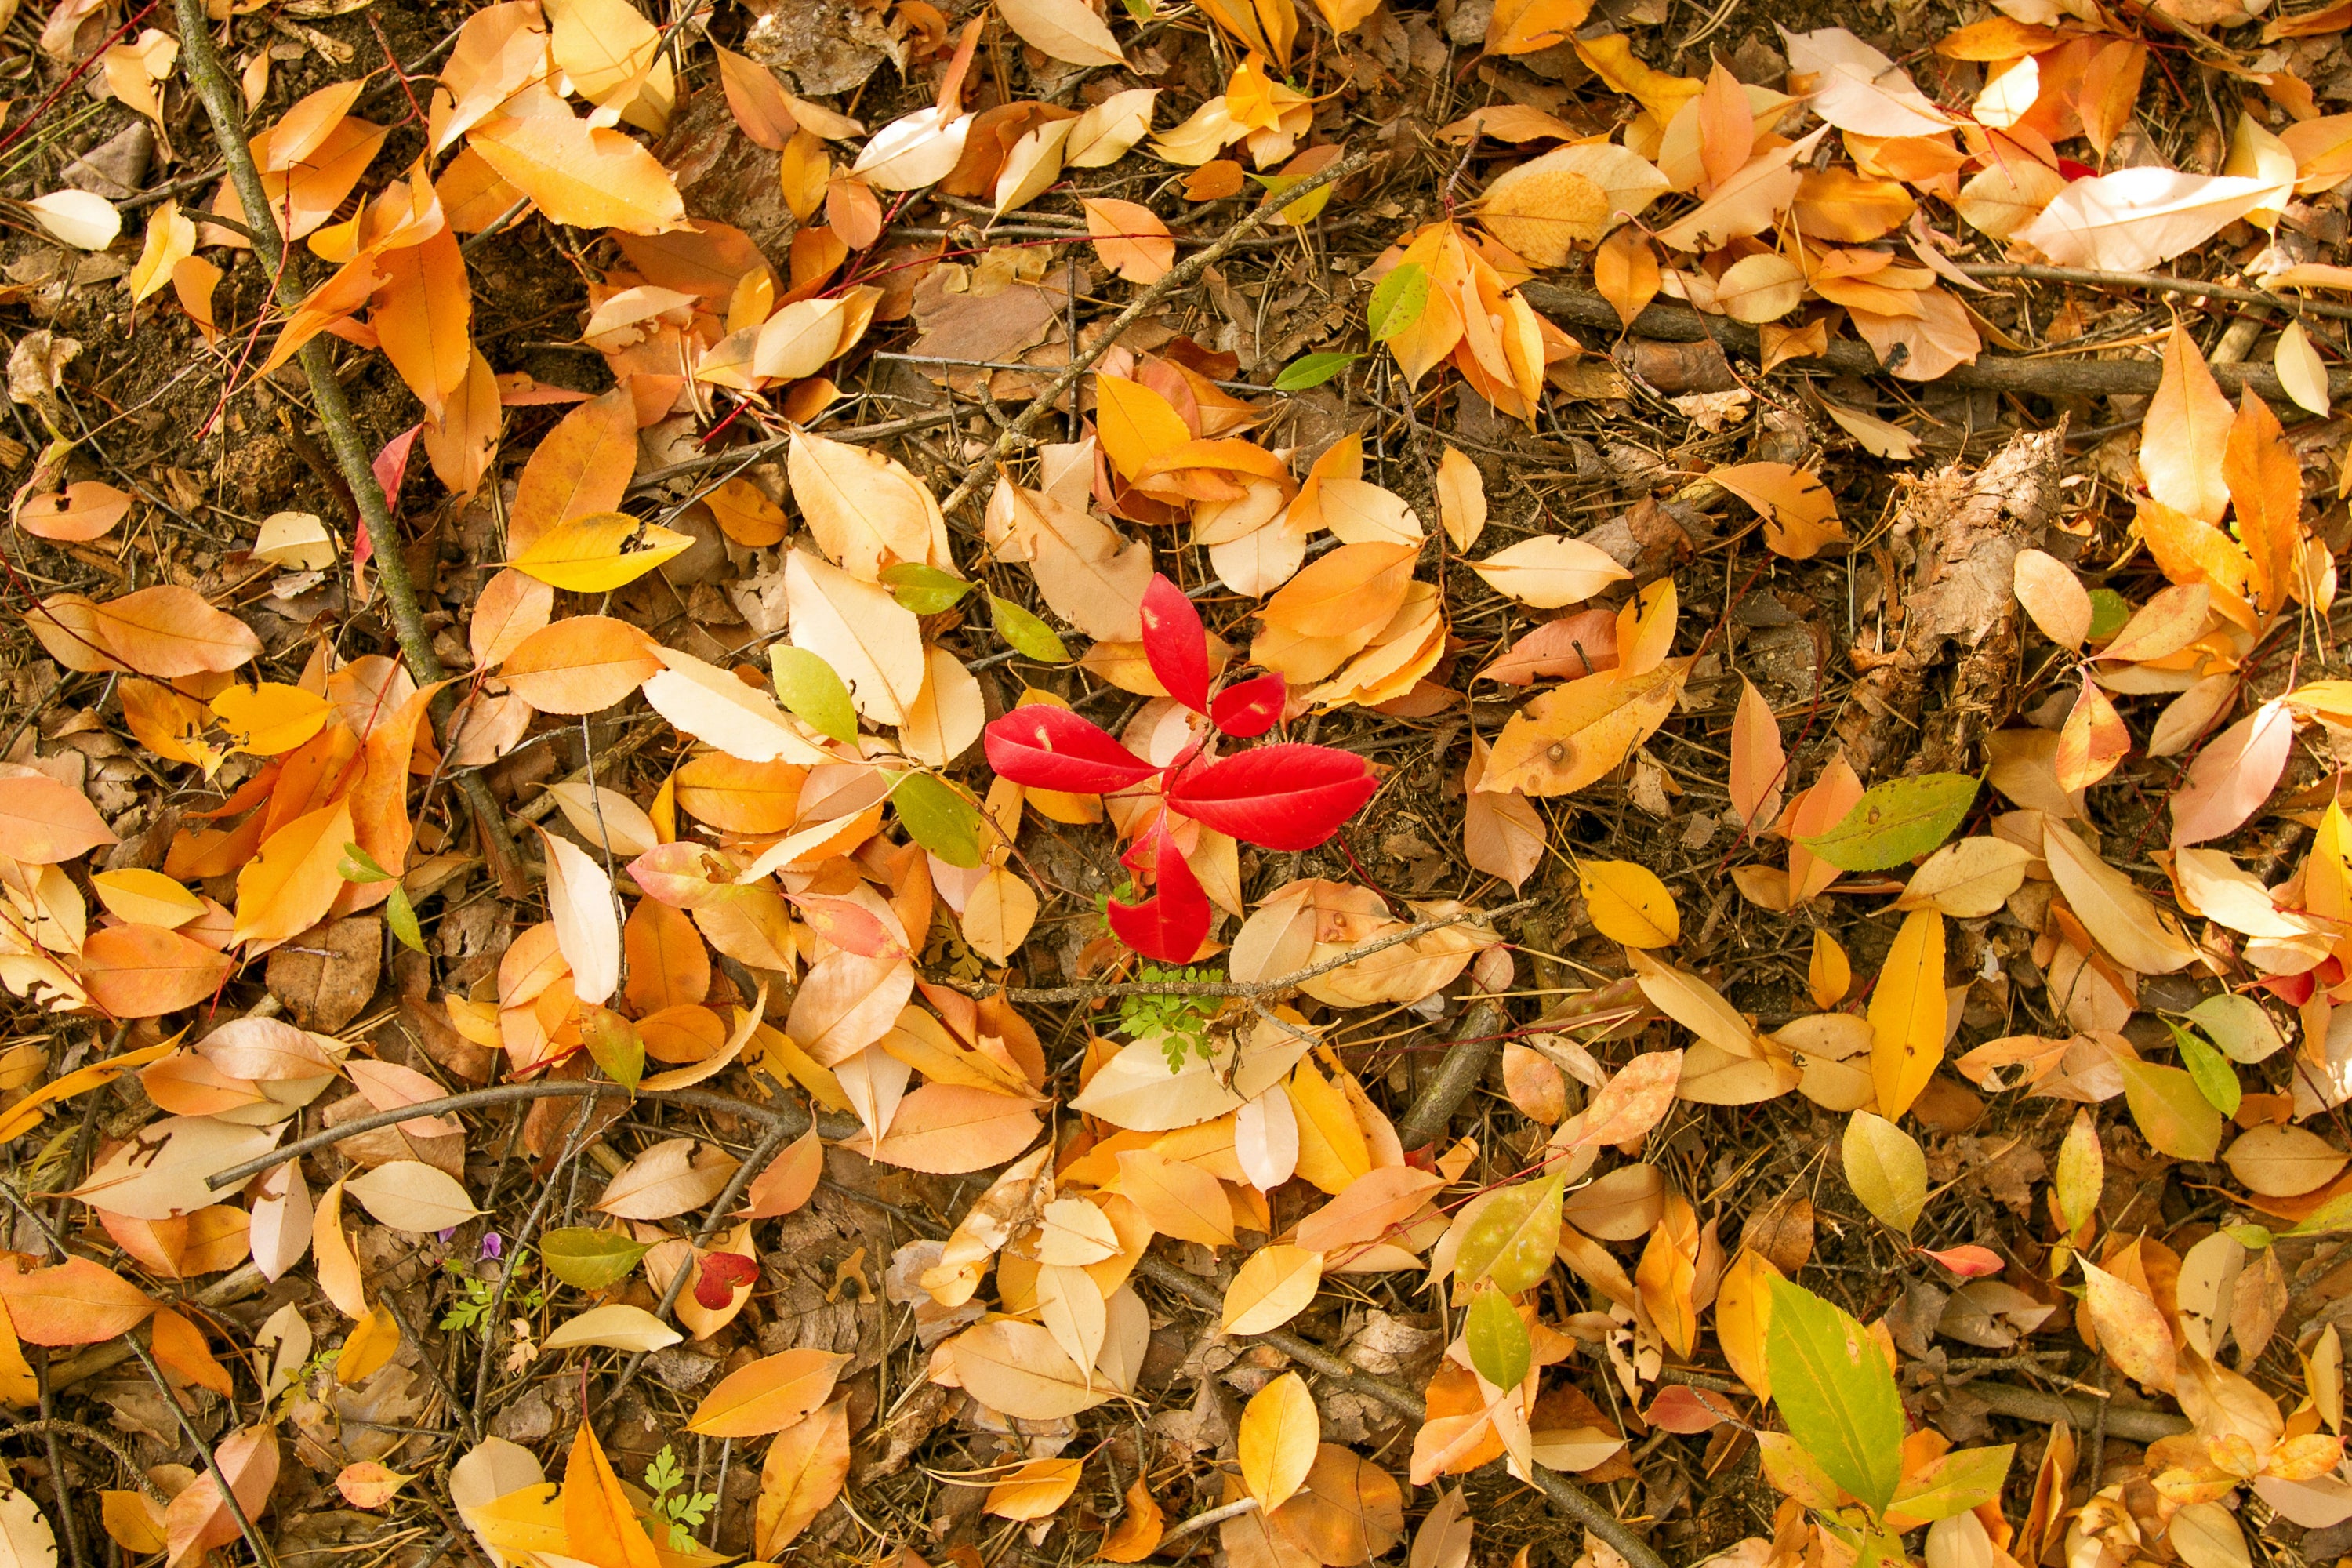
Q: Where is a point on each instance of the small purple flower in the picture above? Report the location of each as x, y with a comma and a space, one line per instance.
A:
493, 1245
442, 1235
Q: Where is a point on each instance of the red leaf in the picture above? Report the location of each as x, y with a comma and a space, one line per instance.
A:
391, 466
1053, 748
1249, 710
1968, 1262
1174, 643
1690, 1410
1283, 796
1170, 924
715, 1281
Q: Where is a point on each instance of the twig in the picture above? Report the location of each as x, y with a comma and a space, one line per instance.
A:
53, 1427
261, 1552
1565, 1494
790, 1117
764, 1152
1475, 1046
2001, 373
1201, 1520
1232, 989
1181, 276
223, 106
2155, 282
853, 434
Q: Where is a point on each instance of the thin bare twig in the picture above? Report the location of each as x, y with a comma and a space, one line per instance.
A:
781, 1114
1236, 989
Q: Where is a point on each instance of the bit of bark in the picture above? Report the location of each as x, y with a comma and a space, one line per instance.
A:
1476, 1046
1962, 531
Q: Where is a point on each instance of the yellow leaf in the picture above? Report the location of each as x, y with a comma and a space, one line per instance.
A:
1668, 1276
369, 1346
1279, 1435
1829, 975
1272, 1288
586, 555
271, 718
1627, 903
1331, 1149
1907, 1014
1136, 422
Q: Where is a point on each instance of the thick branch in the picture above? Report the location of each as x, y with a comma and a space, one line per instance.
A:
2000, 373
2155, 282
1476, 1045
223, 106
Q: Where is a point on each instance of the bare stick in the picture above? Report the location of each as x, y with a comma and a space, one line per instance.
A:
1243, 990
223, 106
790, 1117
1476, 1045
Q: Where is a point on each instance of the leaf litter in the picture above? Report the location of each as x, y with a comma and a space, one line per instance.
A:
1045, 1010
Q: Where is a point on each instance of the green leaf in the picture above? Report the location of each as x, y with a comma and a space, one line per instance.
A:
2252, 1237
2333, 1214
359, 865
591, 1259
1836, 1393
614, 1045
1498, 1338
938, 818
2237, 1025
1312, 370
815, 693
1951, 1485
2171, 1110
1398, 300
1896, 822
925, 590
400, 916
2215, 1079
2110, 613
1511, 1242
2082, 1171
1027, 634
1886, 1171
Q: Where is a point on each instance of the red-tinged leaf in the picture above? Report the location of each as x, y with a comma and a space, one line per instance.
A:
1249, 710
1175, 644
1053, 748
715, 1281
391, 466
1690, 1410
1170, 924
1969, 1262
1285, 796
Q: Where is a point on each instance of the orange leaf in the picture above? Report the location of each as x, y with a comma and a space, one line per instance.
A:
2265, 482
85, 510
77, 1302
2184, 434
423, 316
805, 1468
580, 665
199, 1518
1130, 239
586, 177
144, 972
583, 467
769, 1395
600, 1526
43, 821
291, 884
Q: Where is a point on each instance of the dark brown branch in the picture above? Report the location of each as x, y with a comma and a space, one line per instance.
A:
2155, 282
2053, 377
225, 107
